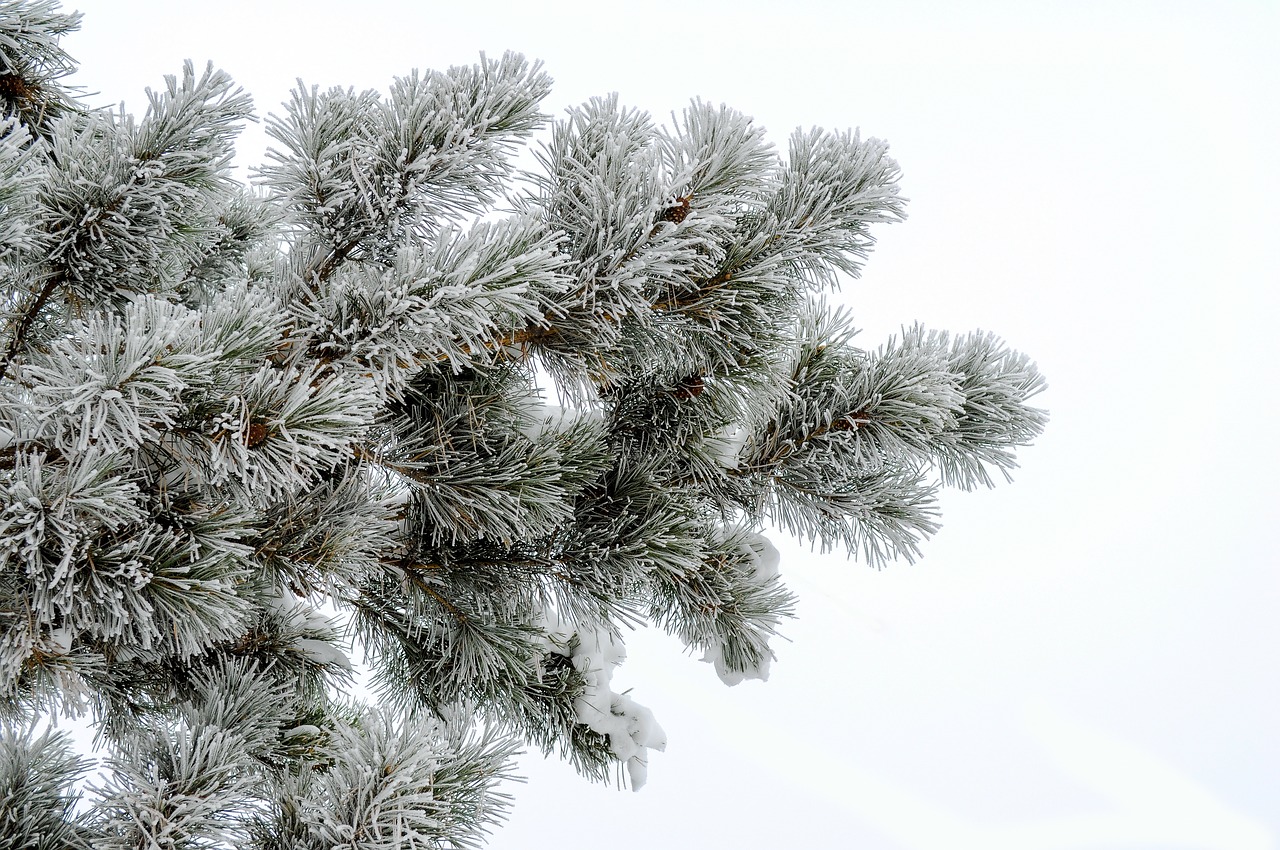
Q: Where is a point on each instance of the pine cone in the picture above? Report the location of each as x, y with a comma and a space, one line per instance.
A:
691, 387
678, 211
257, 434
13, 87
851, 422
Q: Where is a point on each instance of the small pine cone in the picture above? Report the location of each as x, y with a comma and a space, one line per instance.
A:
678, 211
691, 387
257, 434
14, 88
852, 422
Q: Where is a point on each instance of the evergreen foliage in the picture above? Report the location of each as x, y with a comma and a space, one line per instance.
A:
241, 428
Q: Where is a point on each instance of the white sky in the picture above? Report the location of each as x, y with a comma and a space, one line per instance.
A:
1087, 658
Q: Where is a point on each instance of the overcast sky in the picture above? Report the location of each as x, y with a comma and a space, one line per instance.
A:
1087, 658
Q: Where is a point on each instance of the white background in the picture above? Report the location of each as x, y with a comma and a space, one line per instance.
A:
1087, 658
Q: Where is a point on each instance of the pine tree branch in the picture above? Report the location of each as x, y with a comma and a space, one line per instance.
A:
337, 255
848, 422
701, 290
411, 569
26, 321
203, 435
533, 334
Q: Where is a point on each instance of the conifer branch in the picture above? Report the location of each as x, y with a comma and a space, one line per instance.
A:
247, 406
26, 320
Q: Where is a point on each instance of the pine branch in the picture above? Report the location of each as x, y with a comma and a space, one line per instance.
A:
221, 411
27, 316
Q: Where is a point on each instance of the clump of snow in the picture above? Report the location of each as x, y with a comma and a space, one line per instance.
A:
630, 727
304, 619
763, 559
558, 631
299, 731
764, 556
714, 654
323, 653
729, 444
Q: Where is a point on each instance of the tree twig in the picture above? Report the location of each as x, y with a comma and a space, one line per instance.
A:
25, 323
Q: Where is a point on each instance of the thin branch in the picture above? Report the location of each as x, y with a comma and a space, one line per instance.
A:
410, 571
29, 314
